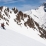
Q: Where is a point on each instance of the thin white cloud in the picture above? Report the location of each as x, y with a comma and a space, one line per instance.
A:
27, 7
5, 0
24, 7
42, 1
10, 0
21, 0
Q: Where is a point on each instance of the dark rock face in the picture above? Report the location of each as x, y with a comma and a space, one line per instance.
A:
30, 22
1, 8
15, 10
2, 16
20, 16
44, 6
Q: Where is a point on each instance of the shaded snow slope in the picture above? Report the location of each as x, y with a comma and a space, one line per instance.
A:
11, 38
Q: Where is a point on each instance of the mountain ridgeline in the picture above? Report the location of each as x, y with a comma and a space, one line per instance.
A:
18, 17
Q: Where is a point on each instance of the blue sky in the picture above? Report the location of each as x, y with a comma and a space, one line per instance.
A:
22, 5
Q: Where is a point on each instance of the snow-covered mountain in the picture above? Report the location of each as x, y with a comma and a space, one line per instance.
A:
30, 23
39, 16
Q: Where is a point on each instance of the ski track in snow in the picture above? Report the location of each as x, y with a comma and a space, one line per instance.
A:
11, 38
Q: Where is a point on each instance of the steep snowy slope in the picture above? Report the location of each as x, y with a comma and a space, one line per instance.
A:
11, 38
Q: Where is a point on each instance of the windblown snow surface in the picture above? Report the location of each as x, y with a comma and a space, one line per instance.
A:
12, 38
